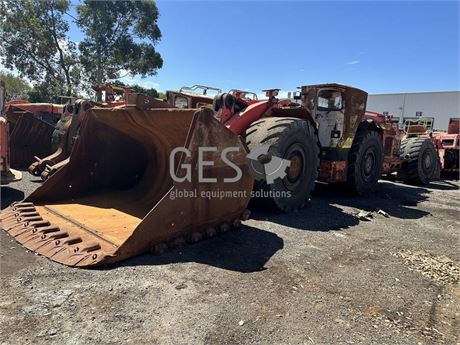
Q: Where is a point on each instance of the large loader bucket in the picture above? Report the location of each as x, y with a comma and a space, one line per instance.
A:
116, 198
30, 137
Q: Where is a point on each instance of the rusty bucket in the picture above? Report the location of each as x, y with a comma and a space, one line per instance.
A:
116, 197
29, 138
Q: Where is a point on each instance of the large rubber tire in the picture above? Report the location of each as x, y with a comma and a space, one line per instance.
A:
59, 133
365, 162
293, 139
420, 161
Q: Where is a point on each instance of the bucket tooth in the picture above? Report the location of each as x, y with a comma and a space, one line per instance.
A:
9, 215
92, 259
55, 235
28, 238
51, 246
22, 210
21, 229
69, 258
14, 224
71, 240
90, 247
22, 205
22, 215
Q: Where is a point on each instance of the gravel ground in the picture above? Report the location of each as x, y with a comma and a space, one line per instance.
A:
319, 276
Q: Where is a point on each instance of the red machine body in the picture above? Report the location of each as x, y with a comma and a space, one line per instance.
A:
447, 145
253, 109
47, 112
110, 92
391, 139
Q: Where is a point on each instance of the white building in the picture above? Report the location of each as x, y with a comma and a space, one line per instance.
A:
441, 105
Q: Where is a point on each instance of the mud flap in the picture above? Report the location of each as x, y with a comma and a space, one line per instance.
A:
116, 199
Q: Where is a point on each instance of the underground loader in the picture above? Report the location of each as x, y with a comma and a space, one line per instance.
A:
114, 199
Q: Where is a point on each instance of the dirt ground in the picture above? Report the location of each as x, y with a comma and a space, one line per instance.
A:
319, 276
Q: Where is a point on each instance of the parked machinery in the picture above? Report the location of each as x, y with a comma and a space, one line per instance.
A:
415, 159
447, 145
66, 130
31, 128
110, 94
355, 147
116, 196
189, 97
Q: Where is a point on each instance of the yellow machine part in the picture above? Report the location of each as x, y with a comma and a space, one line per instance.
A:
115, 197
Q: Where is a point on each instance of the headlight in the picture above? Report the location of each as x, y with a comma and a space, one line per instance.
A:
181, 102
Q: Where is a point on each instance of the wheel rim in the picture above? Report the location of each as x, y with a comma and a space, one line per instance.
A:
368, 165
426, 162
296, 170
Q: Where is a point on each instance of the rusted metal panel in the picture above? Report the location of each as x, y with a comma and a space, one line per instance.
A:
30, 137
333, 171
186, 100
341, 122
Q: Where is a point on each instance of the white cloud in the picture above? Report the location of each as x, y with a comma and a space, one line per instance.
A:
353, 62
146, 83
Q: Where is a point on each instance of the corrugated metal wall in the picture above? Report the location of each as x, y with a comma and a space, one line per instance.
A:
440, 105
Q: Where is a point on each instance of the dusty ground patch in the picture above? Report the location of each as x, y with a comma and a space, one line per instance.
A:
319, 276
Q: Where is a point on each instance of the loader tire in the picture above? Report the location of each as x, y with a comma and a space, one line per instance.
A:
292, 139
420, 161
365, 162
58, 134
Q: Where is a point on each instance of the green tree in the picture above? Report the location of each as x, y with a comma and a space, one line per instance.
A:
146, 91
139, 89
120, 38
33, 35
45, 91
15, 87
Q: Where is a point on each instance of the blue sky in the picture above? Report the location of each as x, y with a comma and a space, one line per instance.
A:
392, 46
